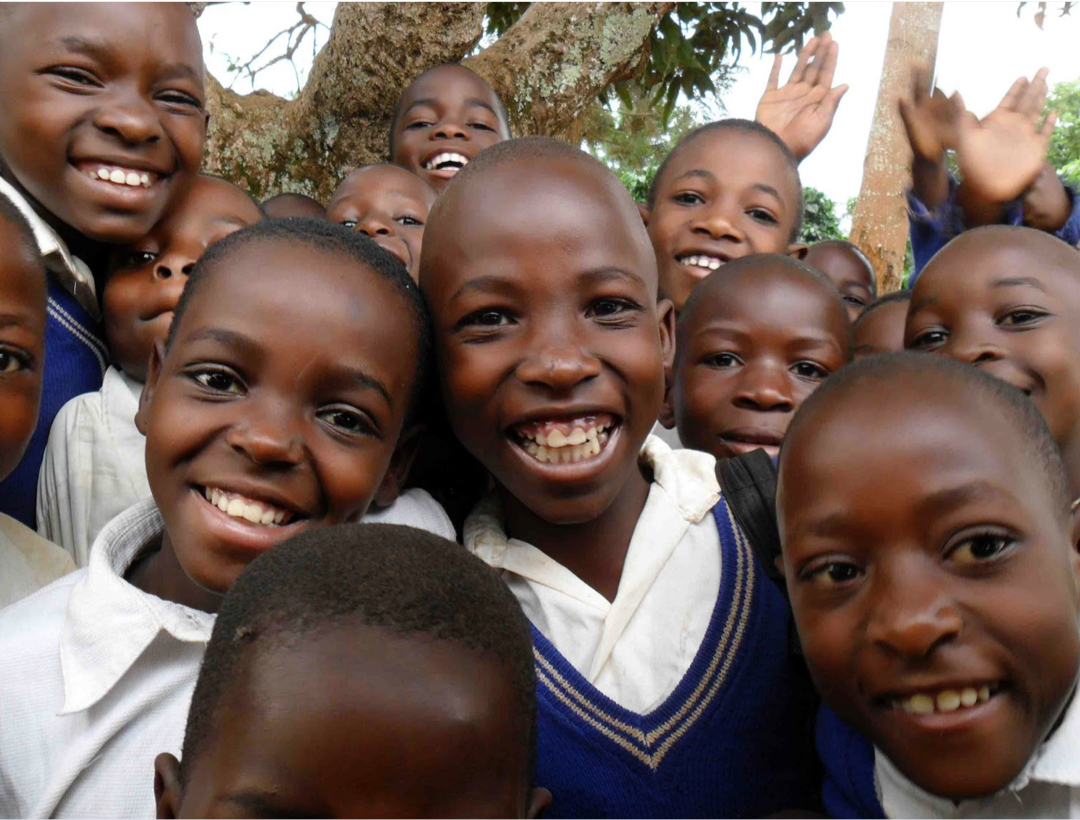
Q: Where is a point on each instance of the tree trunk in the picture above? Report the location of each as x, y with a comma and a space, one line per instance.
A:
879, 224
547, 67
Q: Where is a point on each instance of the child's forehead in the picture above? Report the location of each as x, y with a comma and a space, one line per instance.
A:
381, 182
443, 83
748, 289
716, 155
1001, 259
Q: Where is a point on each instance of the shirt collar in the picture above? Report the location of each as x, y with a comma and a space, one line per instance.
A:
72, 272
109, 622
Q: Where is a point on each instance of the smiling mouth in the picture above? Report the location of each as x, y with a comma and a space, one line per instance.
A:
118, 175
945, 700
703, 264
257, 513
447, 161
565, 441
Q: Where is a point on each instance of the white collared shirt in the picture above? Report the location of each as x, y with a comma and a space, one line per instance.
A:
27, 561
94, 466
96, 680
1049, 786
414, 508
638, 647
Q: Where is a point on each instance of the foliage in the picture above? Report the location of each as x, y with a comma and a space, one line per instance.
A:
696, 43
1064, 153
820, 221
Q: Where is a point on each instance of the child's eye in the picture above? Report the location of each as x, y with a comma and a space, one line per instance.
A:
347, 420
12, 361
724, 360
219, 381
611, 308
929, 339
689, 198
762, 215
483, 126
136, 259
418, 124
410, 220
810, 370
486, 318
349, 223
855, 300
179, 98
831, 574
980, 548
1021, 316
78, 76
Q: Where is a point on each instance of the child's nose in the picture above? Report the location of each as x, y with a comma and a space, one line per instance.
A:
267, 435
131, 118
172, 267
449, 129
765, 387
716, 223
910, 617
558, 366
973, 348
375, 225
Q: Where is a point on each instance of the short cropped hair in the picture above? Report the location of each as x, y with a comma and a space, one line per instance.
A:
320, 235
401, 579
855, 250
12, 215
737, 125
887, 299
529, 148
500, 106
880, 373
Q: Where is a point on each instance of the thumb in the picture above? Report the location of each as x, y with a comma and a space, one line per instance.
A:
1048, 126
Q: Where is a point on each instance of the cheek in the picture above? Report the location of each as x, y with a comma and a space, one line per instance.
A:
188, 134
350, 476
706, 394
19, 400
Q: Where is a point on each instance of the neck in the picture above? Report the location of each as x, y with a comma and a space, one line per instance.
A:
161, 574
593, 550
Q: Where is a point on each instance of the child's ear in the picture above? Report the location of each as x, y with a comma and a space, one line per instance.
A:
153, 372
644, 211
400, 464
539, 801
167, 791
798, 250
667, 342
1074, 537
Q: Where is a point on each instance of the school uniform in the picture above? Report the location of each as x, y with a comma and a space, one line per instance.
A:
75, 353
680, 697
96, 681
94, 466
27, 561
415, 508
860, 781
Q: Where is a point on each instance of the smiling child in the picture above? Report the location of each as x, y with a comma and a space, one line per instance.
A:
103, 130
1007, 300
269, 411
933, 571
94, 466
727, 190
552, 348
850, 271
754, 340
388, 204
443, 119
361, 671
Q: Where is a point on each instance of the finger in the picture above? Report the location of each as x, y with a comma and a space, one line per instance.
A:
1012, 96
774, 75
828, 65
1033, 100
805, 53
1048, 126
813, 68
832, 100
920, 82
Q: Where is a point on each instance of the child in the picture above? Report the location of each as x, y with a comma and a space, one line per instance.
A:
442, 120
94, 466
1007, 300
727, 189
27, 562
880, 328
390, 205
931, 560
91, 169
300, 709
665, 687
283, 206
850, 271
268, 411
753, 341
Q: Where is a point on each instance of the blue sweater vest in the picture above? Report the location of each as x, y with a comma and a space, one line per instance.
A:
75, 362
735, 738
849, 788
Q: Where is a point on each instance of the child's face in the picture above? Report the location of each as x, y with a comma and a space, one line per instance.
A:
22, 344
882, 331
283, 402
933, 581
448, 116
853, 280
726, 195
551, 345
327, 729
749, 356
146, 278
96, 89
388, 204
1013, 311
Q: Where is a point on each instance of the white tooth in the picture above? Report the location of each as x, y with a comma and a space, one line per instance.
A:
279, 516
984, 693
267, 517
541, 439
132, 178
556, 438
596, 448
567, 454
575, 451
922, 704
603, 438
223, 502
532, 448
591, 435
948, 700
906, 706
969, 697
208, 493
117, 176
577, 436
541, 453
103, 173
253, 513
236, 508
714, 264
145, 180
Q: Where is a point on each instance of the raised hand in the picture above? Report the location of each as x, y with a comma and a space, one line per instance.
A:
930, 118
801, 112
1001, 156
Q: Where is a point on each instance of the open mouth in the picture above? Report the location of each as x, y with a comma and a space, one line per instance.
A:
701, 264
565, 441
447, 163
941, 701
744, 441
118, 175
254, 512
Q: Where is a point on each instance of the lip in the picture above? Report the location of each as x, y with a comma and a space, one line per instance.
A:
723, 255
121, 197
241, 534
446, 148
941, 723
1008, 372
573, 472
745, 440
86, 164
397, 247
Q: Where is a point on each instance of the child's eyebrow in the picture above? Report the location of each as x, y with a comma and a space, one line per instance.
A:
15, 320
260, 804
100, 50
1018, 282
433, 102
610, 274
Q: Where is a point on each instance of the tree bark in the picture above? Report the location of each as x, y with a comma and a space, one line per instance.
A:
547, 67
879, 224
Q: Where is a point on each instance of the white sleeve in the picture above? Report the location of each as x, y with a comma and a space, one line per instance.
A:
57, 513
415, 508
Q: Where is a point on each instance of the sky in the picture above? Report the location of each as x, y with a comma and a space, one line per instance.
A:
982, 49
